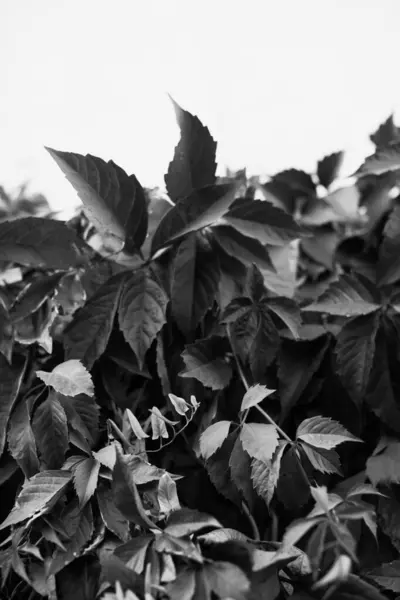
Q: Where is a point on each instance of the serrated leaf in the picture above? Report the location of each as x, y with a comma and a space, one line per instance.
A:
323, 460
167, 494
328, 168
194, 164
34, 295
386, 133
195, 279
243, 248
296, 179
37, 496
113, 201
213, 437
355, 349
10, 382
203, 208
261, 220
87, 336
388, 269
347, 297
265, 475
384, 467
126, 495
141, 312
204, 361
69, 378
383, 160
288, 312
51, 431
240, 469
39, 242
21, 441
112, 517
187, 521
259, 440
254, 395
86, 474
387, 575
324, 432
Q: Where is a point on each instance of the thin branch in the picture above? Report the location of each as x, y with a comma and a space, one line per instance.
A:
253, 524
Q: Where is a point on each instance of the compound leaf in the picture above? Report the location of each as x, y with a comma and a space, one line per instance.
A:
205, 361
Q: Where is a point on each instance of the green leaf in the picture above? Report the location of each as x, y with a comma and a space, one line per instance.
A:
113, 519
205, 361
240, 469
113, 201
227, 580
10, 383
254, 395
261, 220
185, 522
288, 312
347, 297
51, 431
126, 495
355, 349
388, 269
39, 242
203, 208
21, 441
87, 336
328, 168
34, 295
383, 160
69, 378
243, 248
296, 530
298, 180
324, 432
167, 495
265, 475
141, 312
86, 474
259, 440
213, 437
195, 279
194, 164
384, 467
37, 496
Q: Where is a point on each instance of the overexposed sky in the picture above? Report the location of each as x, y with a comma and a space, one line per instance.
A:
278, 82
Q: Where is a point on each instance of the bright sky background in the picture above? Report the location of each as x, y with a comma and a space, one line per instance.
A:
278, 82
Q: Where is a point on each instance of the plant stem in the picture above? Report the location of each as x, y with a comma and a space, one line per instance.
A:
253, 524
246, 385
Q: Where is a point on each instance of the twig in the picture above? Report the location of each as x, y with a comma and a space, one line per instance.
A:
253, 524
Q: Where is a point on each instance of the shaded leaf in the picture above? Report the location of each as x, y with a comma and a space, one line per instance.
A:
141, 312
10, 382
259, 440
322, 459
246, 249
193, 165
113, 519
87, 336
328, 168
227, 580
185, 522
265, 475
384, 467
39, 242
288, 312
383, 160
213, 437
240, 468
387, 575
51, 431
261, 220
347, 297
34, 294
21, 441
389, 252
205, 361
37, 496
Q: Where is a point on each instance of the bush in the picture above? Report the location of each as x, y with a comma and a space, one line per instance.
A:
199, 392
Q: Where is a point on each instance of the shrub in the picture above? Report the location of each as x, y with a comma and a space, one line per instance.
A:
199, 392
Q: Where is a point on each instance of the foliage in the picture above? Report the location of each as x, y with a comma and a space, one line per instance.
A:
199, 391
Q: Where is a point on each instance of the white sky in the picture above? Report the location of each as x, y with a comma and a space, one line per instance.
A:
278, 82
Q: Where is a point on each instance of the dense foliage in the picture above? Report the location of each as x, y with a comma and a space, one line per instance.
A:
199, 392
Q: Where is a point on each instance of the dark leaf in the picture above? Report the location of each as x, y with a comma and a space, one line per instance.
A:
133, 553
293, 489
347, 297
321, 459
227, 580
384, 467
203, 208
126, 495
141, 311
10, 382
194, 164
51, 431
87, 336
243, 248
328, 168
113, 201
240, 468
383, 160
261, 220
386, 575
39, 242
296, 179
186, 522
6, 334
21, 441
386, 133
33, 296
86, 475
288, 312
205, 361
355, 351
112, 517
113, 570
389, 252
265, 474
37, 496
